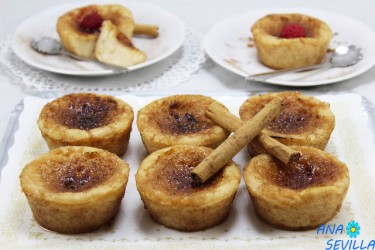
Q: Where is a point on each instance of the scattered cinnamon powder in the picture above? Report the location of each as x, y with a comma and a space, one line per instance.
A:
250, 42
81, 172
310, 170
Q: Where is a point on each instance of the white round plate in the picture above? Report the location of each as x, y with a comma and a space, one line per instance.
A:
171, 37
227, 43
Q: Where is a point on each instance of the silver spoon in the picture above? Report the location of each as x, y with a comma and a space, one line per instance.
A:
343, 56
51, 46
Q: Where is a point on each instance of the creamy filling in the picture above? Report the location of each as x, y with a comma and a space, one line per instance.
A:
309, 171
183, 118
79, 173
86, 112
174, 173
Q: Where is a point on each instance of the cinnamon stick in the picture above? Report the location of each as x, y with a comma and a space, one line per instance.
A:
224, 118
231, 146
146, 30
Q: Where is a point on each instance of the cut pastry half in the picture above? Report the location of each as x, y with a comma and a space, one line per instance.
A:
115, 48
79, 29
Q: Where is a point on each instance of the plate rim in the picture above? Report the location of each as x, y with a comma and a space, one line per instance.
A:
220, 62
16, 48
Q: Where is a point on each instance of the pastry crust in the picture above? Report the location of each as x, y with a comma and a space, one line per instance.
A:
304, 120
85, 119
281, 53
75, 189
174, 199
178, 119
298, 199
82, 43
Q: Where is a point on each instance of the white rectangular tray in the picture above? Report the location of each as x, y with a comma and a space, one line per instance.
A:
351, 142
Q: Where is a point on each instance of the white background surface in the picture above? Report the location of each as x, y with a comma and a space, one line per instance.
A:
201, 15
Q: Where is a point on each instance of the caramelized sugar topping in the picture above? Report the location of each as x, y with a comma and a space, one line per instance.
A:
81, 172
185, 117
309, 171
124, 40
174, 172
85, 111
298, 114
294, 118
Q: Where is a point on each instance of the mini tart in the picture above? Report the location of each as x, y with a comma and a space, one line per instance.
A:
283, 53
174, 199
300, 196
81, 41
115, 48
86, 119
304, 120
178, 119
75, 189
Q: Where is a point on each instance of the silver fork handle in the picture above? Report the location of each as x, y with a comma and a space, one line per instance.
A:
115, 68
261, 77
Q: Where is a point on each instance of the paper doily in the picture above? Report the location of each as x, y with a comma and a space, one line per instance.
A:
170, 72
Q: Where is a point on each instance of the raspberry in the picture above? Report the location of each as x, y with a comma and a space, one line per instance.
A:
91, 22
292, 31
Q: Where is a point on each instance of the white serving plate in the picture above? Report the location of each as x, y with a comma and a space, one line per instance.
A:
171, 37
227, 44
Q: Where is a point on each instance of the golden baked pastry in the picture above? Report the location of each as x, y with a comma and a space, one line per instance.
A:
79, 29
115, 48
301, 195
307, 41
75, 189
178, 119
305, 120
86, 119
174, 199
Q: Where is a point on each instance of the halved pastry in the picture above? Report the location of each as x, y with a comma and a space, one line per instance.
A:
285, 41
115, 48
178, 119
176, 200
75, 189
79, 29
301, 195
86, 119
304, 120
